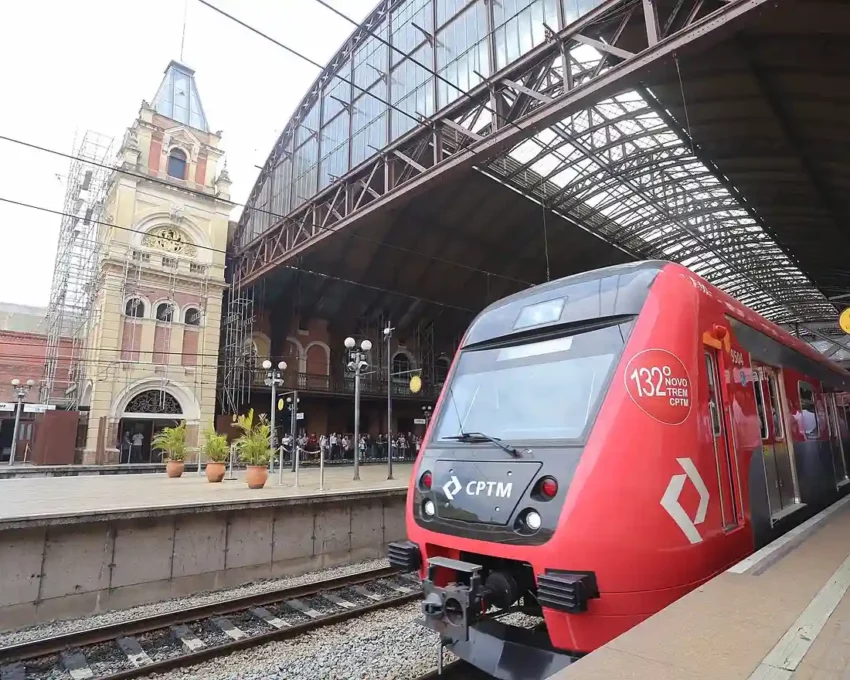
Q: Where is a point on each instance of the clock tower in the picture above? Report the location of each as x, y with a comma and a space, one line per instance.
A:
152, 351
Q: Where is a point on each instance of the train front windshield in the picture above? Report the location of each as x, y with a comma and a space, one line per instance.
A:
537, 390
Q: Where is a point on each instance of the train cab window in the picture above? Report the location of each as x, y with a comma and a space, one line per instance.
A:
539, 390
758, 389
808, 411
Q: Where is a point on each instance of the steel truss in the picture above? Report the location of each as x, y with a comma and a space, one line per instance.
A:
621, 170
560, 125
825, 337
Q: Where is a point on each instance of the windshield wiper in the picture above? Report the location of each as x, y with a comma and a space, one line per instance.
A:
471, 437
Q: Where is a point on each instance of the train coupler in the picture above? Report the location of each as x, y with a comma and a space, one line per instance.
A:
449, 610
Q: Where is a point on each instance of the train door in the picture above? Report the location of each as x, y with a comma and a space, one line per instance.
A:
788, 491
835, 436
780, 478
771, 476
842, 408
723, 442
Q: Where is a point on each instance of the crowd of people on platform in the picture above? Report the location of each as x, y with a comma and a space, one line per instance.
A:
340, 446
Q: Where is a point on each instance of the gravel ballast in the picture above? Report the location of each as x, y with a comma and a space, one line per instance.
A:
72, 625
383, 645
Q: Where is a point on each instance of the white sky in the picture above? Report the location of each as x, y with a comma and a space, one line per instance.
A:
67, 67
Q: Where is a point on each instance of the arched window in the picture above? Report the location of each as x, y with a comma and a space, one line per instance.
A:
401, 363
135, 308
192, 317
165, 311
177, 164
154, 401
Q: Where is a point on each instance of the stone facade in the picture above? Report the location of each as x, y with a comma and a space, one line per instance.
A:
155, 332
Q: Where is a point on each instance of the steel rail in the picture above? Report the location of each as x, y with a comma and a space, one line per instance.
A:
85, 638
254, 640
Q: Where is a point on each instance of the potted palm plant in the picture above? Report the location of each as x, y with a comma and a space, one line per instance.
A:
172, 441
215, 449
254, 448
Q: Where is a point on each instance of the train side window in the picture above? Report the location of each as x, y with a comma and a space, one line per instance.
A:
775, 408
716, 426
758, 390
808, 411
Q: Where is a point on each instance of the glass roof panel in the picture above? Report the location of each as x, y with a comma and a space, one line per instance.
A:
620, 170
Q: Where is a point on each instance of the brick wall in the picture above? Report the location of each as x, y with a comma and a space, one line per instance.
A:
22, 356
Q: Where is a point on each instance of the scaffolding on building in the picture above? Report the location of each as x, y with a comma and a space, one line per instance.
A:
75, 273
238, 367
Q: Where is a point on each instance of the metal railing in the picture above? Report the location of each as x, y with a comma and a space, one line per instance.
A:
375, 454
371, 384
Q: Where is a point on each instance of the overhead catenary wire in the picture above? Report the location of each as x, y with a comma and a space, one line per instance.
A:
357, 237
286, 266
407, 56
430, 69
336, 75
307, 59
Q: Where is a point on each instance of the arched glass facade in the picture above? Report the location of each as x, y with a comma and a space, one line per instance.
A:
622, 167
340, 124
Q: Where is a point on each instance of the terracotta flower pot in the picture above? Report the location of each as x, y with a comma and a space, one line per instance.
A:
256, 476
215, 471
174, 468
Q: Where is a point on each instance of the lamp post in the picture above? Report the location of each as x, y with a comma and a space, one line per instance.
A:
388, 334
273, 378
292, 405
21, 392
357, 362
427, 411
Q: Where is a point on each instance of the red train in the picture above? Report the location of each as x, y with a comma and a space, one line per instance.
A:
604, 444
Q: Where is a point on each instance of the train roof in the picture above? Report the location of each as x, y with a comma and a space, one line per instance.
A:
618, 290
615, 270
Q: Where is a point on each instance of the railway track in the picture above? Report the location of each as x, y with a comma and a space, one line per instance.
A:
155, 644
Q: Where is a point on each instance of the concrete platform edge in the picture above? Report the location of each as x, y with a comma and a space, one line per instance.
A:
87, 567
312, 498
763, 558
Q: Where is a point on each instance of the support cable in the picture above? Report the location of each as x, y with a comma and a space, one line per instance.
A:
390, 246
430, 70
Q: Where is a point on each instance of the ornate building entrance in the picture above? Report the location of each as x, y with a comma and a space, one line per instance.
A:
145, 416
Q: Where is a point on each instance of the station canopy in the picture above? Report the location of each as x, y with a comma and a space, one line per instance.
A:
626, 169
621, 167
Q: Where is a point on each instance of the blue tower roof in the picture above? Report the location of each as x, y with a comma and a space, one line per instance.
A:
178, 98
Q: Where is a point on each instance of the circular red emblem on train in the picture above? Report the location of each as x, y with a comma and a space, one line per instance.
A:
658, 382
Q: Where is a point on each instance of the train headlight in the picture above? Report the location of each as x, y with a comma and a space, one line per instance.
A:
532, 520
428, 508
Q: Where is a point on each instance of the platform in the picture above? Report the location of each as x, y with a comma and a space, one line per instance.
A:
30, 470
26, 502
783, 613
75, 546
